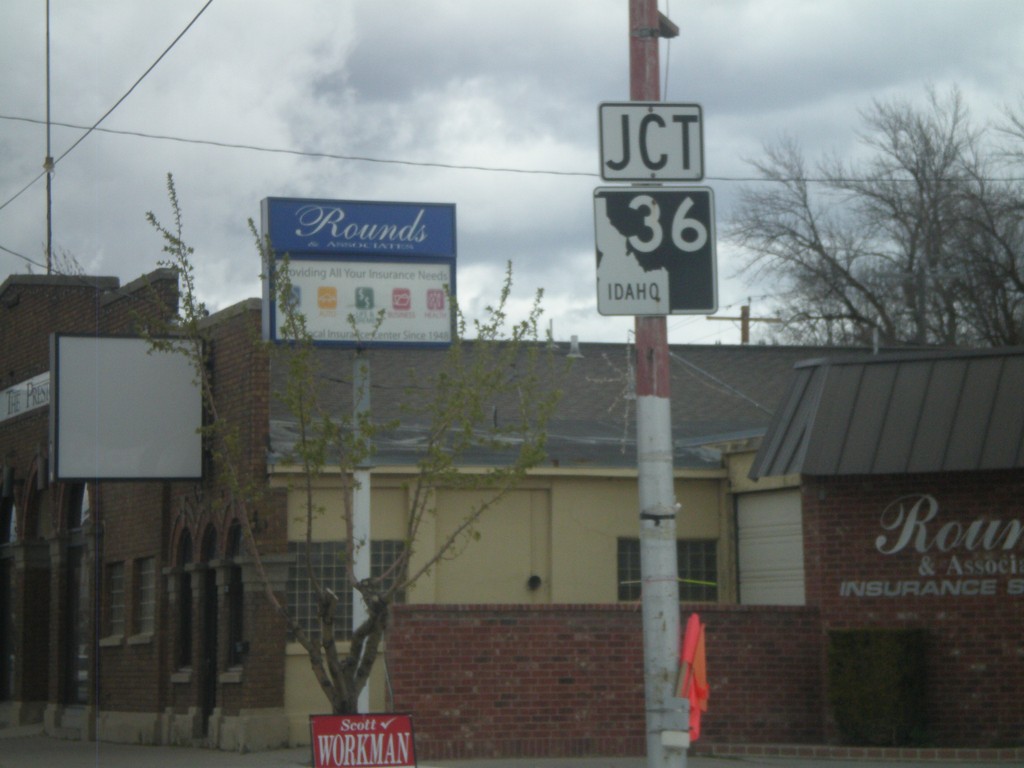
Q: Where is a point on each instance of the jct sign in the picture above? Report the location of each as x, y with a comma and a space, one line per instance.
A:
362, 741
651, 141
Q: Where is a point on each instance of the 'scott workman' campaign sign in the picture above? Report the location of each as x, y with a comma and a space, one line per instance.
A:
362, 741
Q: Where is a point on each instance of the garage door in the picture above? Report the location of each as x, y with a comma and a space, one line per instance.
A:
771, 555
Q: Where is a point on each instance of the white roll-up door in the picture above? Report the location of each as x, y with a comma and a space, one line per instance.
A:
771, 554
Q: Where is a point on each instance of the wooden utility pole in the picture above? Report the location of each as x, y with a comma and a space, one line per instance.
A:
658, 566
745, 320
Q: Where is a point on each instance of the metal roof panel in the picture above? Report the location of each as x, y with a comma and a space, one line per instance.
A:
934, 411
903, 417
831, 424
867, 419
973, 412
939, 411
1005, 444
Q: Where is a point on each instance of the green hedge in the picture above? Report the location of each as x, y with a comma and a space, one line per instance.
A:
876, 686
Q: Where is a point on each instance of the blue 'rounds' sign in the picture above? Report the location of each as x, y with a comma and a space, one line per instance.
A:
298, 226
363, 273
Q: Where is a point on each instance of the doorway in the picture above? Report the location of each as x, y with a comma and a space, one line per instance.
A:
76, 657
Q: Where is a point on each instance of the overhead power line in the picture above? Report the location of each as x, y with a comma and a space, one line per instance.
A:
309, 153
95, 126
23, 257
425, 163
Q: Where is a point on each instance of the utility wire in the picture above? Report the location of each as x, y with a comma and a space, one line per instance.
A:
118, 103
308, 153
23, 257
428, 164
431, 164
718, 381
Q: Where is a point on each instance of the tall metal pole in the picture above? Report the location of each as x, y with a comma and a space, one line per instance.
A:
361, 504
48, 162
658, 568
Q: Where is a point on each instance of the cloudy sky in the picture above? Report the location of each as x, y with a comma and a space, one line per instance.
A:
491, 106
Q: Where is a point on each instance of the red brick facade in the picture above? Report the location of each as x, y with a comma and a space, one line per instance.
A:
874, 559
36, 559
486, 681
145, 692
567, 680
551, 681
942, 553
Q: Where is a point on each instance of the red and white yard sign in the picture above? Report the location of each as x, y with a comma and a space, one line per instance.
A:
362, 741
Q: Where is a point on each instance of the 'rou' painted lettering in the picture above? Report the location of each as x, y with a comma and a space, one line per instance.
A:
910, 520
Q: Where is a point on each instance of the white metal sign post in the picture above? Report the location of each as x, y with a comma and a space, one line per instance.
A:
363, 274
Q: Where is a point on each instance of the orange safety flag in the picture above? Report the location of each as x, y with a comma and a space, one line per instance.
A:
694, 673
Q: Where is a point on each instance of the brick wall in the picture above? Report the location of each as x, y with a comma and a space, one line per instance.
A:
240, 365
567, 680
765, 674
31, 308
975, 644
134, 525
139, 520
488, 681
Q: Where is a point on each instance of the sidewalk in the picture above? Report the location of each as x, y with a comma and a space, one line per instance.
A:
27, 748
31, 749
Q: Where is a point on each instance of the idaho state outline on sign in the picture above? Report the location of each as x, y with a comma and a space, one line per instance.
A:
664, 272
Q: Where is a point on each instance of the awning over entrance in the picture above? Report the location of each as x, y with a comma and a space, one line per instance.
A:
909, 412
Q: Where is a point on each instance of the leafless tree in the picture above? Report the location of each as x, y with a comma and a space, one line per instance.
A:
504, 360
918, 243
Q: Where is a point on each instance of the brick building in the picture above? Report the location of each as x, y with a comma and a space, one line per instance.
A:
132, 611
912, 475
878, 528
123, 602
49, 532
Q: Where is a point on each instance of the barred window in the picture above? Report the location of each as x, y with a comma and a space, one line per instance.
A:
327, 560
115, 599
697, 561
145, 614
384, 554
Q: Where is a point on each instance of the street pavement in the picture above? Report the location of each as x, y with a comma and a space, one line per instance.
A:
27, 748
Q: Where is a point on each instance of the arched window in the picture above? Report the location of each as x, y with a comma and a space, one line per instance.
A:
78, 598
8, 508
184, 601
8, 535
209, 549
8, 520
79, 508
7, 659
209, 651
236, 597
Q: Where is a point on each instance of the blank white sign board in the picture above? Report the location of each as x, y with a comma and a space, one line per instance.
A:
121, 411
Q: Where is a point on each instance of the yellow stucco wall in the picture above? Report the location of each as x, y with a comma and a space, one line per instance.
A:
562, 527
738, 464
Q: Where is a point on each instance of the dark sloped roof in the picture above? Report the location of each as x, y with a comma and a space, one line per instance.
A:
899, 413
717, 392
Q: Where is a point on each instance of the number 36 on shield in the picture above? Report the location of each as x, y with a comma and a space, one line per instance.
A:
688, 234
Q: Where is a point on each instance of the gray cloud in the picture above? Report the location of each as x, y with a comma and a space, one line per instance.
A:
461, 82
